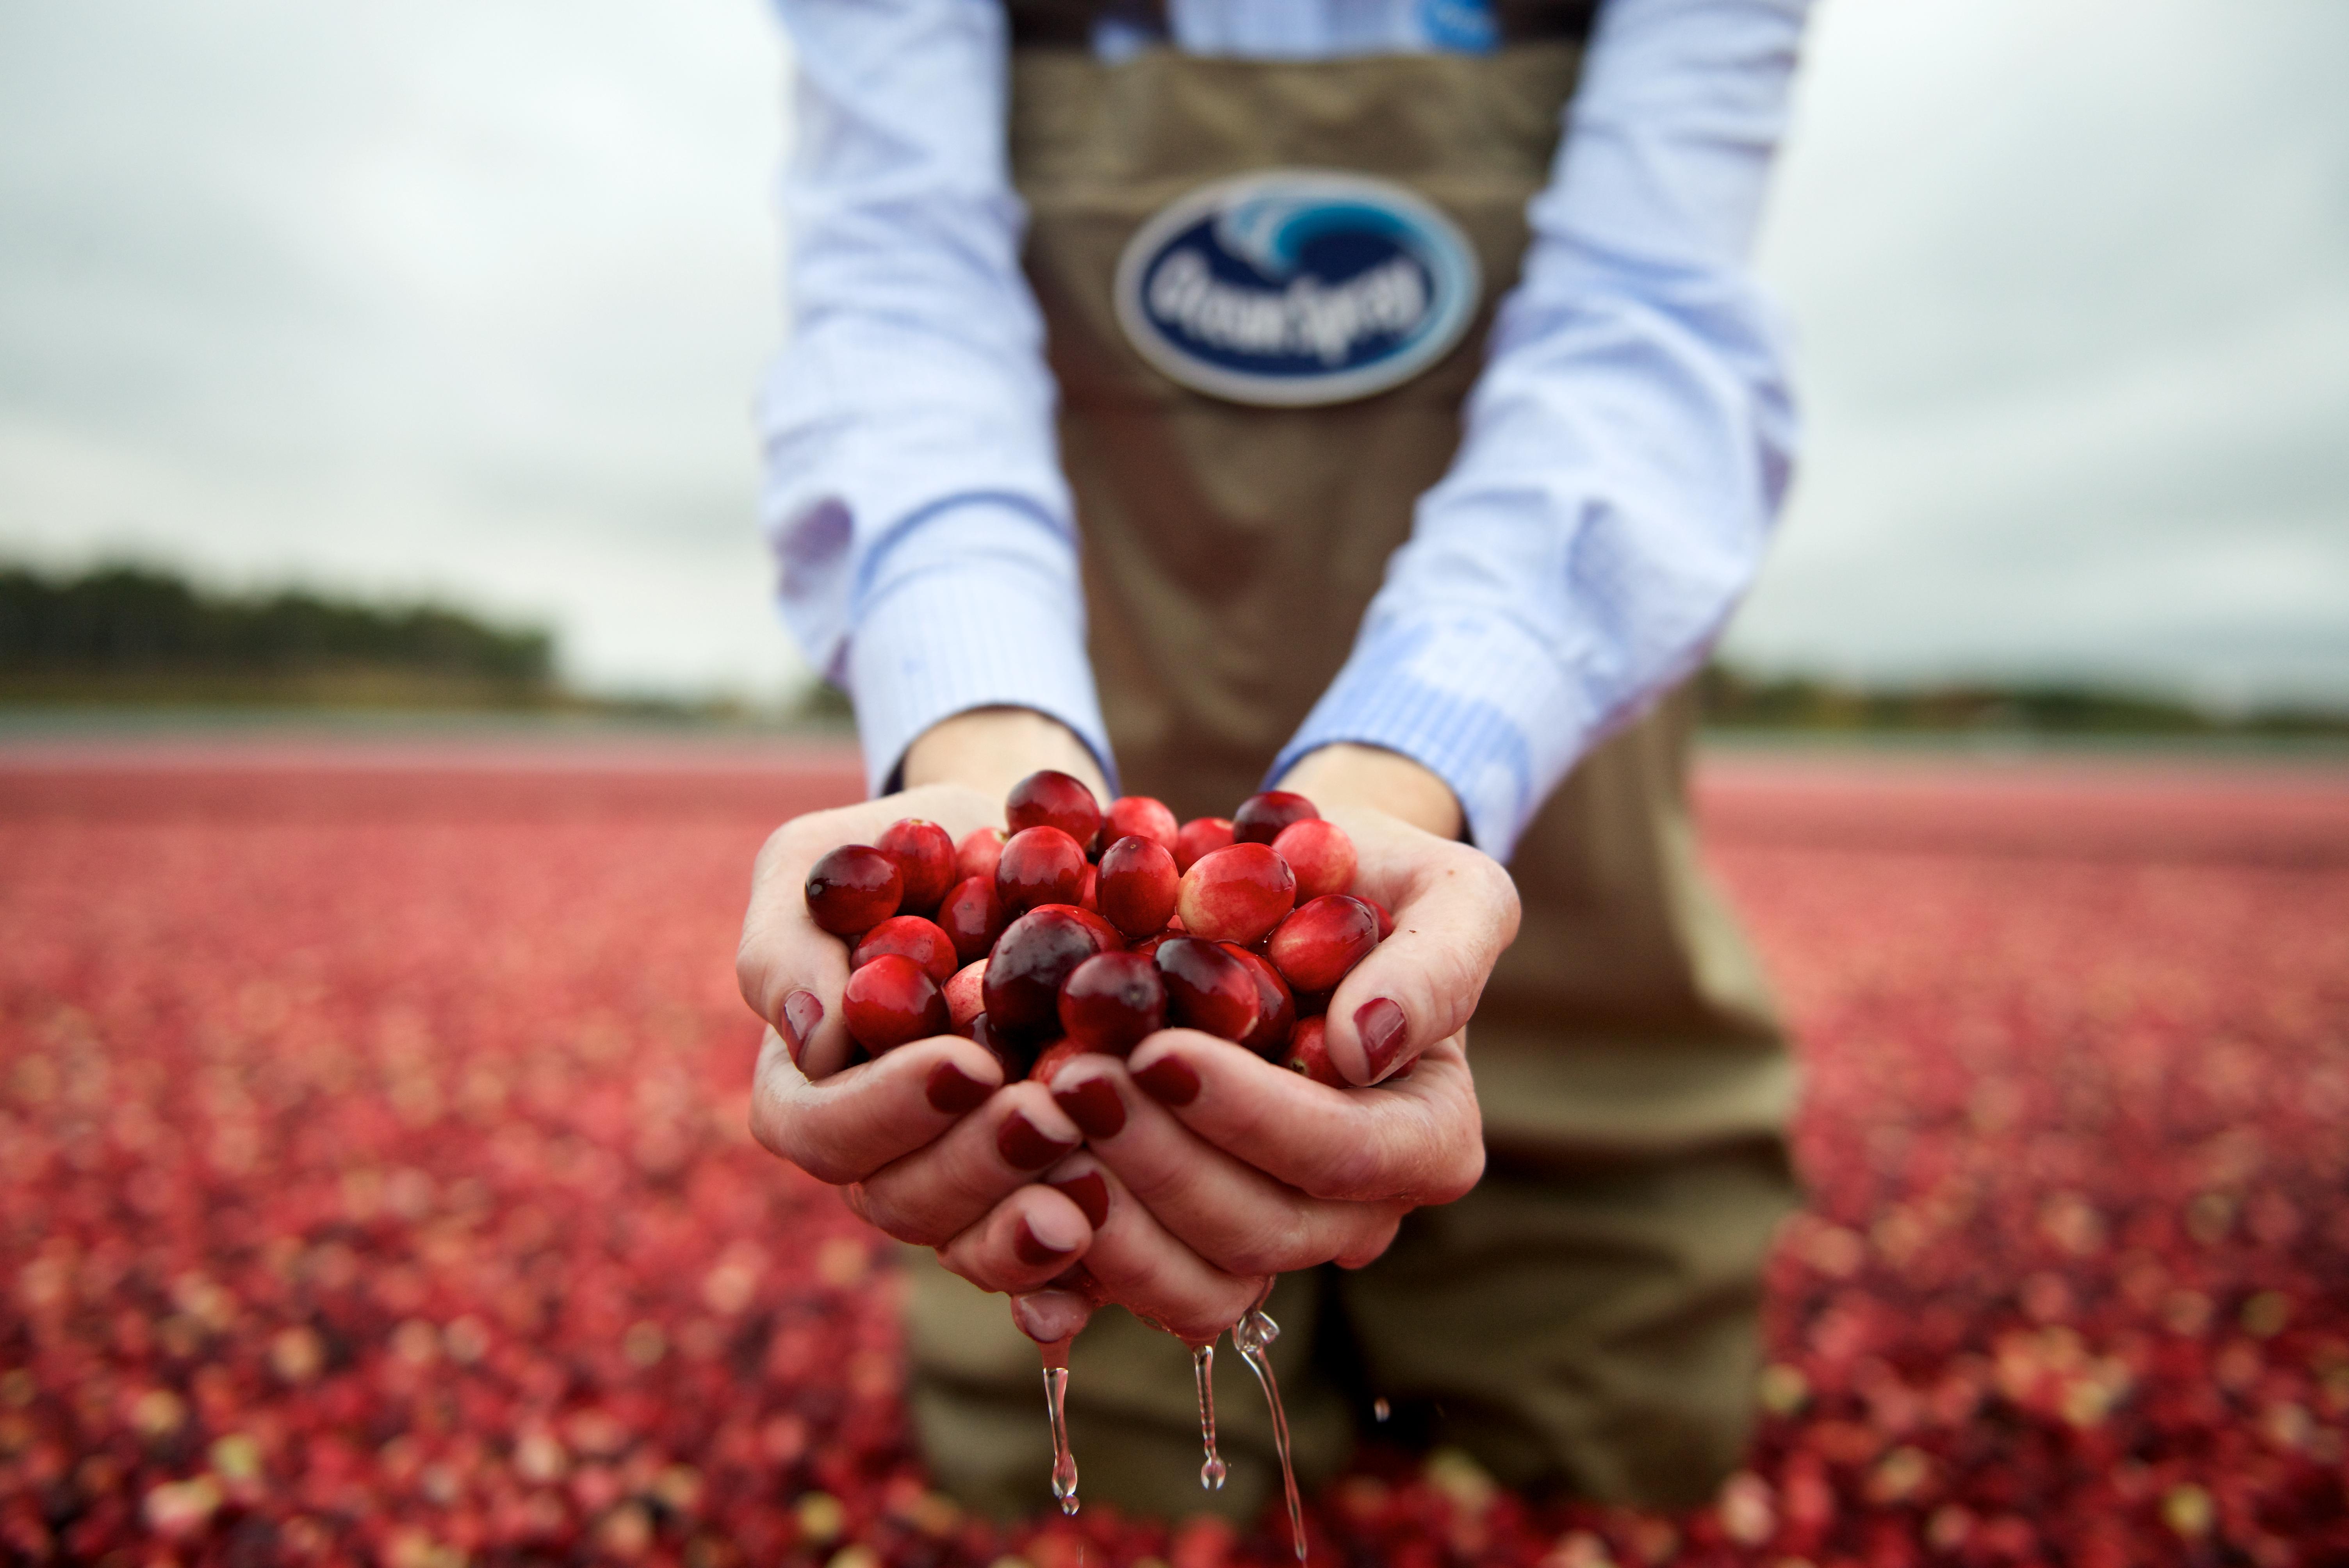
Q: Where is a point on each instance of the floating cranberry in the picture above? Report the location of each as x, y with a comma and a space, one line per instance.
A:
1235, 893
926, 856
1036, 954
965, 995
1039, 865
1112, 1001
1052, 799
893, 1000
972, 916
1261, 818
1137, 886
1209, 988
1320, 854
913, 937
852, 889
1308, 1053
1139, 817
976, 855
1275, 1008
1200, 836
1315, 947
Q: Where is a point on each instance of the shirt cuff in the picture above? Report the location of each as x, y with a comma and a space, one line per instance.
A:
1470, 697
983, 627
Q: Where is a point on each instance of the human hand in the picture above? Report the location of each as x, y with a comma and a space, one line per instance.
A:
899, 1132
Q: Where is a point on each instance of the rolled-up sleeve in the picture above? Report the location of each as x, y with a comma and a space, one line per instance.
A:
1626, 446
913, 498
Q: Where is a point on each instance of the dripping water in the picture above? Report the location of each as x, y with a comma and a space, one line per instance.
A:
1056, 1405
1252, 1336
1203, 1370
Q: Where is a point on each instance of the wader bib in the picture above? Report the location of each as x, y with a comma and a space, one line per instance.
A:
1586, 1317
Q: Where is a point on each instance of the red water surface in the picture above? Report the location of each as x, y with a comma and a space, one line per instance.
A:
374, 1186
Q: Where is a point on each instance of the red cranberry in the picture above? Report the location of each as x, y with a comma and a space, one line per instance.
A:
1051, 799
1237, 893
1308, 1053
1012, 1051
926, 856
1036, 954
891, 1001
1209, 988
977, 854
1088, 892
913, 937
1039, 865
1386, 921
1200, 835
1110, 1003
1140, 817
1137, 891
852, 889
1315, 947
1277, 1009
1261, 818
972, 916
1110, 937
1320, 854
1053, 1057
965, 1001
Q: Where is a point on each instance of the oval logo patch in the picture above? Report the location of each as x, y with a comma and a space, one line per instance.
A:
1296, 286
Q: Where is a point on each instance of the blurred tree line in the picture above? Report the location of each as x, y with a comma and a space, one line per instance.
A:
1734, 700
117, 623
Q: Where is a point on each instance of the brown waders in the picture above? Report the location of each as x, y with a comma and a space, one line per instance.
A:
1586, 1317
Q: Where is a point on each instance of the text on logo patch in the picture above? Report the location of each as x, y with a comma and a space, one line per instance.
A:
1296, 286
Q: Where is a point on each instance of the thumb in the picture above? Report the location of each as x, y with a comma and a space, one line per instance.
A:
1456, 912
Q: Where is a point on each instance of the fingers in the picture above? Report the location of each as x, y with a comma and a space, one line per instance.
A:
1455, 911
791, 970
1048, 1316
1235, 1216
1135, 1262
1414, 1139
940, 1189
1034, 1235
854, 1123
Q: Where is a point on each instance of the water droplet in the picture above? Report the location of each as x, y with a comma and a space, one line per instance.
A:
1381, 1408
1251, 1336
1056, 1396
1203, 1370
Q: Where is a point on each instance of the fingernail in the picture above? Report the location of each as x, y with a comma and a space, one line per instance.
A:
801, 1013
1022, 1146
1032, 1250
1089, 1193
1093, 1105
1169, 1080
954, 1091
1384, 1029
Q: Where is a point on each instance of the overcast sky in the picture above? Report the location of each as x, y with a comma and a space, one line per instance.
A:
469, 296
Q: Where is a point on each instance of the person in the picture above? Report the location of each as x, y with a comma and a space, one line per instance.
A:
1373, 399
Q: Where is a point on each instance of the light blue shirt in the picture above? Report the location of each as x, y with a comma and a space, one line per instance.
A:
1623, 455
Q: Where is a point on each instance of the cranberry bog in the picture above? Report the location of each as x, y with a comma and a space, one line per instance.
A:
374, 1184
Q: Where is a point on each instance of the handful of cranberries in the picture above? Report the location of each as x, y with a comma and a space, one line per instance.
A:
1080, 930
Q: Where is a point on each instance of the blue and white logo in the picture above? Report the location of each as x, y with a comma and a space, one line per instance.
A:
1296, 286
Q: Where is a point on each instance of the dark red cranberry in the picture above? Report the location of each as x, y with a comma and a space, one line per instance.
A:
1113, 1001
1013, 1051
972, 917
1035, 954
852, 889
1039, 865
1208, 987
1137, 886
1277, 1009
891, 1001
1261, 818
1051, 799
926, 856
